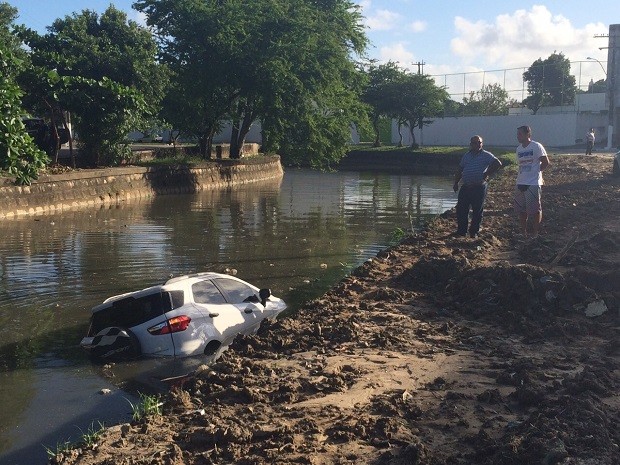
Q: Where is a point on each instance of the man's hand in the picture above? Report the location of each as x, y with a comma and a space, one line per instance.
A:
456, 186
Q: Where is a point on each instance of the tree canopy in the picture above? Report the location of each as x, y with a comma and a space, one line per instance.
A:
287, 63
420, 100
549, 83
382, 93
102, 69
19, 155
491, 99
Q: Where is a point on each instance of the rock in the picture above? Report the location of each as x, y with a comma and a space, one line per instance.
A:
596, 308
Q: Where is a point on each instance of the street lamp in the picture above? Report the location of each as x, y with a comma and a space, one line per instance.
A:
590, 58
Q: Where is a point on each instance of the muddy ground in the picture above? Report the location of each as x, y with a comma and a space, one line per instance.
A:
441, 350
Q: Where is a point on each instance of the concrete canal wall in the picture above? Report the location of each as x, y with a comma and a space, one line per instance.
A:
105, 186
400, 162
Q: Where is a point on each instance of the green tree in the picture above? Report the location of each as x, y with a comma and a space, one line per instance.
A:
108, 77
286, 63
549, 83
491, 99
8, 39
382, 94
19, 156
420, 100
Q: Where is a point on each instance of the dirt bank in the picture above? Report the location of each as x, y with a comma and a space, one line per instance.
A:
442, 350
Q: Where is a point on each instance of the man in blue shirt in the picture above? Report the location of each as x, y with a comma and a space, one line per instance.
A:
475, 169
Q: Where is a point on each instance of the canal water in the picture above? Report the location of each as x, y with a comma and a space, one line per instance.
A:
298, 235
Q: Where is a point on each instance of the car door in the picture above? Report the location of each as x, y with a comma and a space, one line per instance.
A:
221, 321
245, 299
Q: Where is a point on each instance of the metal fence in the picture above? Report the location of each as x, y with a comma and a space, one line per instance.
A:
588, 74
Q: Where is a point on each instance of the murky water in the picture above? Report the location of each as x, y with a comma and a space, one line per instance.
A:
298, 236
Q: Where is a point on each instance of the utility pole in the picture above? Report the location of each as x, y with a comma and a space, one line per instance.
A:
612, 62
420, 65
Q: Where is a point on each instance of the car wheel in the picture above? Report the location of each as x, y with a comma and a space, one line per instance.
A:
616, 169
212, 347
115, 343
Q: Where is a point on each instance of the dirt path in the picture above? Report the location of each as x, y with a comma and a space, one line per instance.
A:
441, 350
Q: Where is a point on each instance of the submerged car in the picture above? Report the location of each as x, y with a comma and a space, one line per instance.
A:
187, 315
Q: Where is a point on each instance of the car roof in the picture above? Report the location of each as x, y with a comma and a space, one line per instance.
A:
172, 284
203, 275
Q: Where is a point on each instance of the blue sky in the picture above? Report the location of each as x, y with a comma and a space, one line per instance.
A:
449, 36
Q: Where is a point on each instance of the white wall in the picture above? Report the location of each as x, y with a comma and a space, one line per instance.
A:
553, 130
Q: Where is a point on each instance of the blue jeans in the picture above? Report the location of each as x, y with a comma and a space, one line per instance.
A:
470, 197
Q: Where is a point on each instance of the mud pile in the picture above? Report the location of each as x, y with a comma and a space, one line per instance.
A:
440, 351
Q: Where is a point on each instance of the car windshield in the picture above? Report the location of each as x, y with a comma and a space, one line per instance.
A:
236, 292
206, 293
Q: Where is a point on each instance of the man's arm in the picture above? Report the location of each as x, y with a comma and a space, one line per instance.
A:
492, 169
544, 162
457, 177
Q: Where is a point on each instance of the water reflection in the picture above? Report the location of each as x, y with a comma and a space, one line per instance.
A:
298, 236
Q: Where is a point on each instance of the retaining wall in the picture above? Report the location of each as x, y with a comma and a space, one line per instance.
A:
93, 187
400, 162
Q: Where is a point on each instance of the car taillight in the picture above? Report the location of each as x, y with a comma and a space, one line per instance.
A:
173, 325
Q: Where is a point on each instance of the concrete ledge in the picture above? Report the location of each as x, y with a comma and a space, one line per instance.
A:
93, 187
401, 162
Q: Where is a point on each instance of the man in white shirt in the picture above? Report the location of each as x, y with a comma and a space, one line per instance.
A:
532, 159
590, 141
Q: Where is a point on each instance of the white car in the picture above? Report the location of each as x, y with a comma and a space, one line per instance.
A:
187, 315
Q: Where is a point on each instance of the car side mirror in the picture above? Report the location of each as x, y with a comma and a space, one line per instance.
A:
264, 294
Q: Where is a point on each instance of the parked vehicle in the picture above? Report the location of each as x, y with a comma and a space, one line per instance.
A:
44, 136
187, 315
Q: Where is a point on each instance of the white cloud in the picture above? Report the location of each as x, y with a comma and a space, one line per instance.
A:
365, 4
522, 37
398, 53
137, 16
418, 26
382, 20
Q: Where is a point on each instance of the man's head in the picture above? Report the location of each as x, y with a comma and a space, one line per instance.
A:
524, 135
475, 143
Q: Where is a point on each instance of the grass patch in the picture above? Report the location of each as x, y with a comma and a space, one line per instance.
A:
149, 405
182, 159
506, 156
61, 448
89, 440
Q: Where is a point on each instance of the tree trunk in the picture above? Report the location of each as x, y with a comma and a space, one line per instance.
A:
234, 151
240, 133
375, 126
65, 124
414, 144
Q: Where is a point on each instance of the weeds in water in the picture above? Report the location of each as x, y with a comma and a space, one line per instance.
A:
92, 435
89, 439
397, 235
61, 448
148, 406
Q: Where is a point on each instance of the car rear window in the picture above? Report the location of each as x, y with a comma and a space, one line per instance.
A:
132, 311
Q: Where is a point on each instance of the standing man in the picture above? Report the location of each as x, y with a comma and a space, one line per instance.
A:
590, 141
532, 159
475, 169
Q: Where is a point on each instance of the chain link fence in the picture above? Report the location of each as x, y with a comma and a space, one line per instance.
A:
590, 76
